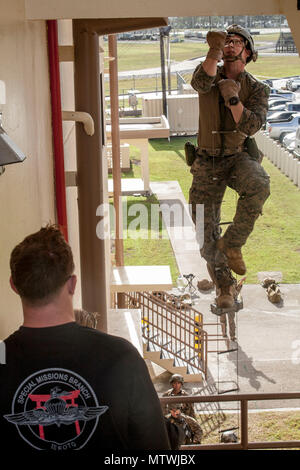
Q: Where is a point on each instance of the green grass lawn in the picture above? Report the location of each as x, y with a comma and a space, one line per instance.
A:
139, 55
264, 427
275, 67
146, 244
274, 245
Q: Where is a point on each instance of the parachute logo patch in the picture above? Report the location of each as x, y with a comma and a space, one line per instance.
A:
55, 409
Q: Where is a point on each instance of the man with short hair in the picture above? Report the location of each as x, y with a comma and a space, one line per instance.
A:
232, 107
66, 386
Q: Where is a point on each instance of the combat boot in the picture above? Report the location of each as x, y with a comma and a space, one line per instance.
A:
234, 257
225, 286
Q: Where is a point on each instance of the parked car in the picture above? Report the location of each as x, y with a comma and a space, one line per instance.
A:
293, 84
289, 141
280, 116
278, 101
286, 94
281, 95
276, 109
279, 129
277, 105
294, 106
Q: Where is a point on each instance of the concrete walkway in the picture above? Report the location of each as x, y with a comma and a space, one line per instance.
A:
268, 356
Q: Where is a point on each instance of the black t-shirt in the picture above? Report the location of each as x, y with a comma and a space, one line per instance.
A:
70, 387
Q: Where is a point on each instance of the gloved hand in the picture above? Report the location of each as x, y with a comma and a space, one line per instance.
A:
216, 42
229, 88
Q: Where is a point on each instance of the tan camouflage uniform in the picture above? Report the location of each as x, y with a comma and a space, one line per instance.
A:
186, 408
190, 426
234, 168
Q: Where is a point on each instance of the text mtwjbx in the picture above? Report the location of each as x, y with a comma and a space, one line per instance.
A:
157, 459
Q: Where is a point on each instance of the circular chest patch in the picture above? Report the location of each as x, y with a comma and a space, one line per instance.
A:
55, 409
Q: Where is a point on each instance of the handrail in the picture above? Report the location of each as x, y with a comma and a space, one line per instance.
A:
173, 326
243, 399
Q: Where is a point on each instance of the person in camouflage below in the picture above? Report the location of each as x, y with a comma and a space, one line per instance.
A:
232, 107
176, 382
191, 432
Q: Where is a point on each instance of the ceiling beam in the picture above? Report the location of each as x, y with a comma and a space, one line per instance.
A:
68, 9
119, 25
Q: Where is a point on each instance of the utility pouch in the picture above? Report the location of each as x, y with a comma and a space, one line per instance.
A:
252, 149
190, 153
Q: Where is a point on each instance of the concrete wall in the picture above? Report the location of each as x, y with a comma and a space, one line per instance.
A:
26, 189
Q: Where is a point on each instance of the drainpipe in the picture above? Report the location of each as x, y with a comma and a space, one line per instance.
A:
58, 148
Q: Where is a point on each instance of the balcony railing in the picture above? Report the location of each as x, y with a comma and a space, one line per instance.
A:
243, 399
173, 326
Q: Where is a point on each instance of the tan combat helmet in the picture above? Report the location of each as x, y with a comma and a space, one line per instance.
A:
176, 378
237, 29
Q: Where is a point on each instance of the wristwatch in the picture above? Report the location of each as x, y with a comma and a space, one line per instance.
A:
234, 100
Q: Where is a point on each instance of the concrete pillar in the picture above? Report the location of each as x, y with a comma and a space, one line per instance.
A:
295, 170
298, 174
269, 149
281, 158
288, 157
274, 152
285, 154
90, 175
290, 171
277, 156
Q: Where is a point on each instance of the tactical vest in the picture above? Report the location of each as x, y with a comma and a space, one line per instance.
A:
218, 133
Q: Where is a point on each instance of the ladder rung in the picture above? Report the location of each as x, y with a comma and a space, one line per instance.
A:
227, 351
229, 390
229, 429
